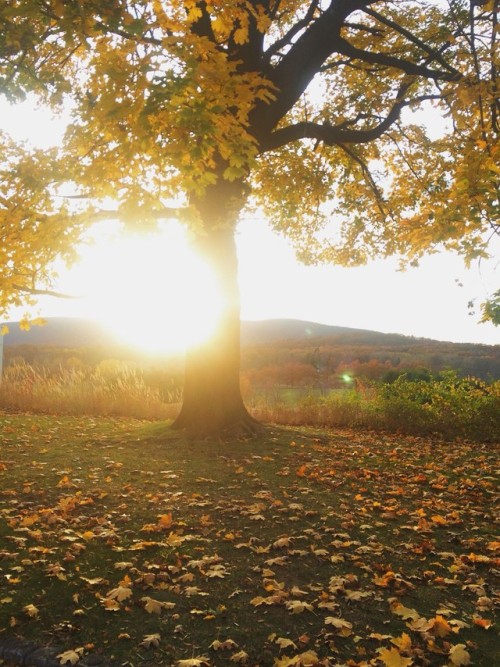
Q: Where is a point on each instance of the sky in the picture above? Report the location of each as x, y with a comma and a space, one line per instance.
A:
429, 301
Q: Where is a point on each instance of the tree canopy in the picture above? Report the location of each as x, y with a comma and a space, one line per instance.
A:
201, 109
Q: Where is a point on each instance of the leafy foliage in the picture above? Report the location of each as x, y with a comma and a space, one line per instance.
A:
335, 548
296, 103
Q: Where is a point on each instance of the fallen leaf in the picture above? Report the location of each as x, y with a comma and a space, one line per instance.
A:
70, 657
393, 658
119, 593
283, 643
459, 656
153, 606
241, 657
297, 606
440, 627
403, 643
217, 645
151, 641
31, 610
344, 627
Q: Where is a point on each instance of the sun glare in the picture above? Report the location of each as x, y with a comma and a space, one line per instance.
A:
152, 292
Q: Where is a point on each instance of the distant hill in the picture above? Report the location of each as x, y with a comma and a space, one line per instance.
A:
270, 331
60, 332
75, 332
271, 342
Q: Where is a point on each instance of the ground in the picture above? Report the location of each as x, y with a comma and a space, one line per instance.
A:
123, 543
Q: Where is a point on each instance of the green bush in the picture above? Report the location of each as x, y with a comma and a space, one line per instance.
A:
449, 405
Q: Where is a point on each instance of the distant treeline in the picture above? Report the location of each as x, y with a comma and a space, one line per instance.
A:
315, 362
331, 357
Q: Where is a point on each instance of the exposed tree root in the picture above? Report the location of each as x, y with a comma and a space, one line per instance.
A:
244, 427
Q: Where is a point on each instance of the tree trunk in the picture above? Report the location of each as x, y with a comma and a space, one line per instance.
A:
212, 401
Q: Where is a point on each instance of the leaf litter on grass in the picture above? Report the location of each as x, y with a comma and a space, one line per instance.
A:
301, 548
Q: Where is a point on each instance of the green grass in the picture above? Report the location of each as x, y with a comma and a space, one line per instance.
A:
257, 542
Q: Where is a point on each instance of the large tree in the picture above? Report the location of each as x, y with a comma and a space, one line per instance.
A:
303, 108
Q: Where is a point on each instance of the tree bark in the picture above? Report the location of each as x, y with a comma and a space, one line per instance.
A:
212, 401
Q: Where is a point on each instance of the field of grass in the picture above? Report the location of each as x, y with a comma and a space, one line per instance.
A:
122, 543
445, 406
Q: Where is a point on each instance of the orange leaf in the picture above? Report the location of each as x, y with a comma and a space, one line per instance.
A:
482, 622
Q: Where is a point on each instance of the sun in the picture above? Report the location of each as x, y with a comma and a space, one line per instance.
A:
152, 291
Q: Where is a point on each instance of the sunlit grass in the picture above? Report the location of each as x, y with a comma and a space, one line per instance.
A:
449, 407
109, 389
350, 524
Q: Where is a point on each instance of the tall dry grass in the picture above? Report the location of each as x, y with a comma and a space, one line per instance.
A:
446, 406
112, 388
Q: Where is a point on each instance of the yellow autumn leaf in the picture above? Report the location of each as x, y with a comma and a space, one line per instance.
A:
152, 606
405, 612
298, 606
393, 658
70, 657
94, 581
123, 565
285, 661
199, 661
239, 657
151, 641
308, 658
459, 656
119, 593
343, 627
403, 643
283, 643
110, 605
241, 35
440, 626
31, 610
217, 645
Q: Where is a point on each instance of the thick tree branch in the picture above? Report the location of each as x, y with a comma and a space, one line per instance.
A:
296, 69
296, 28
347, 49
34, 291
203, 26
337, 134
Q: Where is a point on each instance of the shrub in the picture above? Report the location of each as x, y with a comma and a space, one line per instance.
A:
449, 405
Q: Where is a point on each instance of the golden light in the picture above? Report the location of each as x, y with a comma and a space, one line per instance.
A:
152, 292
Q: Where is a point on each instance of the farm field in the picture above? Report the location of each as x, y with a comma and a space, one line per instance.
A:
122, 544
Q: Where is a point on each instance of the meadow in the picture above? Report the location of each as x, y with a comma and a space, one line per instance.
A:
358, 530
121, 544
443, 405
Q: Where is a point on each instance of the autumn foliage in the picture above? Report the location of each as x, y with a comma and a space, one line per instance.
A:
206, 110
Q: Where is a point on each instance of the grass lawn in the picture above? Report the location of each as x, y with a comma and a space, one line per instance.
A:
120, 542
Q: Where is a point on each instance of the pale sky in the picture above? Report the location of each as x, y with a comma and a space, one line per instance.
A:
423, 302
